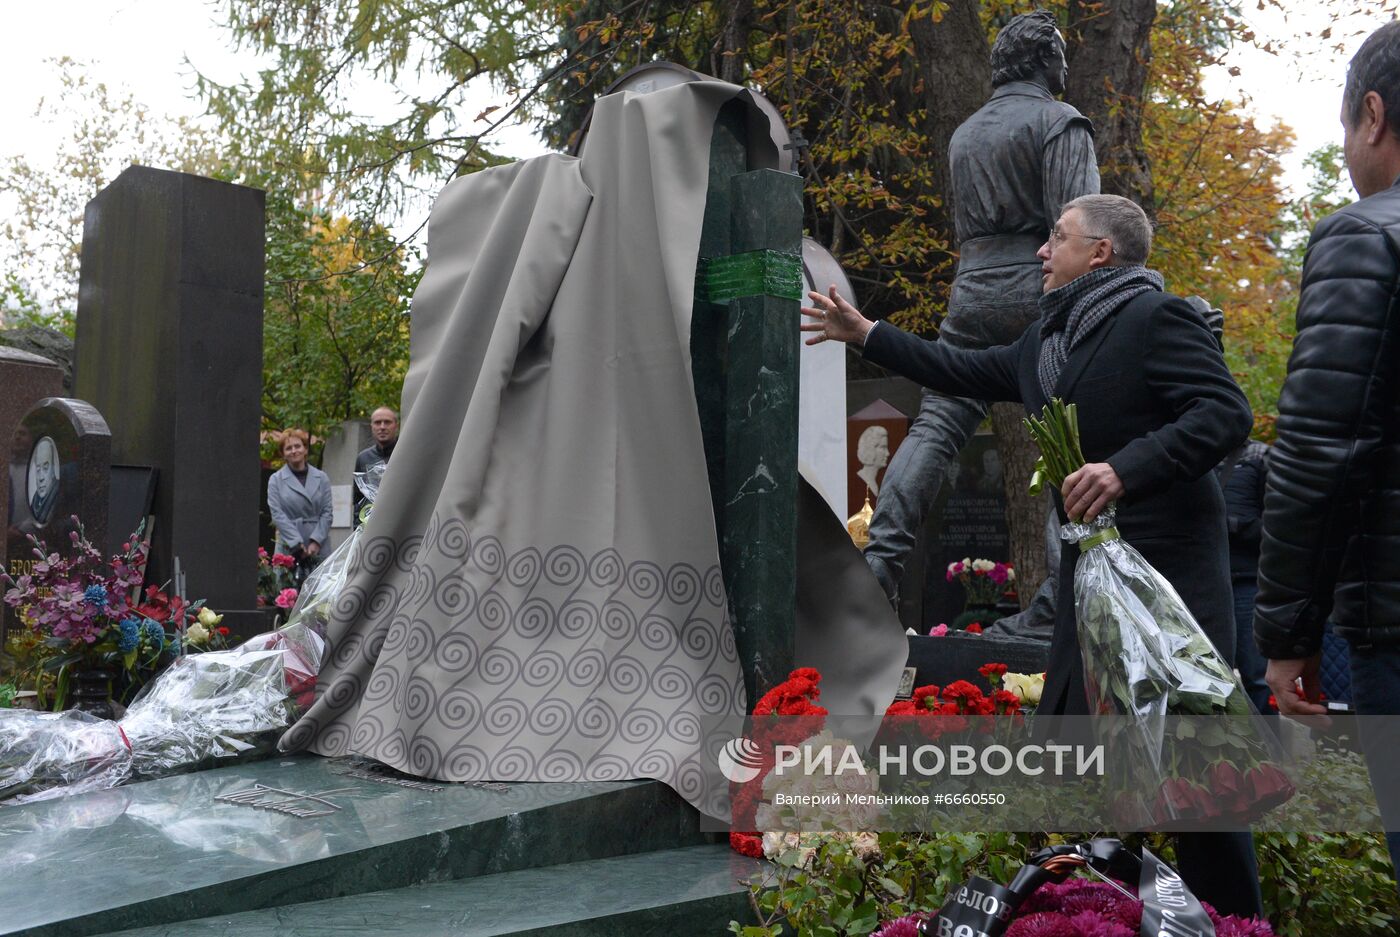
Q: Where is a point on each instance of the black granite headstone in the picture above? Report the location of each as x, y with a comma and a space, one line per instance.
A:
170, 348
58, 470
133, 491
967, 521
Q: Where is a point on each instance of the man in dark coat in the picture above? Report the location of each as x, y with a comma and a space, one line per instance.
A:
384, 427
1158, 410
1014, 164
1331, 540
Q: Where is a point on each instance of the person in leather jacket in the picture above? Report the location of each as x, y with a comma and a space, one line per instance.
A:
1331, 532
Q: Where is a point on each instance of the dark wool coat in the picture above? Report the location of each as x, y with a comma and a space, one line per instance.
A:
1157, 403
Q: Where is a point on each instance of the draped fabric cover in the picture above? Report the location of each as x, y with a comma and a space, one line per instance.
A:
538, 595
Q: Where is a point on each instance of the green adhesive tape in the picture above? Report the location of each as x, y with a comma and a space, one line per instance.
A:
755, 273
1103, 536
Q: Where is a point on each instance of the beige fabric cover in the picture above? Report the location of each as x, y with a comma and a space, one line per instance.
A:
538, 596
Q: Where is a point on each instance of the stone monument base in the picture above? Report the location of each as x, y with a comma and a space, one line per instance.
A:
206, 853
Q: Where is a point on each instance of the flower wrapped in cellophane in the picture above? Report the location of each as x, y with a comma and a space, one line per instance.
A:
204, 709
1189, 743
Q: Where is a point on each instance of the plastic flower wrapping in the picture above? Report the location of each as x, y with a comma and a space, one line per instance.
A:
202, 710
1146, 658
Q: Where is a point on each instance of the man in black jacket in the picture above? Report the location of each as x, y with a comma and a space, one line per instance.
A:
1158, 410
384, 427
1331, 539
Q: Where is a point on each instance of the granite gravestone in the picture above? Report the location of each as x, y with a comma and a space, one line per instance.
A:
27, 379
967, 521
170, 348
59, 465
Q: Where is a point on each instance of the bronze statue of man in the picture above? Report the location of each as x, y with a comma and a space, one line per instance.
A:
1015, 162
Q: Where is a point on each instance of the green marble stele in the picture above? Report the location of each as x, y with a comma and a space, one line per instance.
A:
166, 852
744, 348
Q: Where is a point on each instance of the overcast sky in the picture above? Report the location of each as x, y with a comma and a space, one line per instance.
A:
141, 45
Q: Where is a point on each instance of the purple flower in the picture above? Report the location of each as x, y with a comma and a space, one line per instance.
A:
1043, 924
1093, 924
1103, 901
1243, 927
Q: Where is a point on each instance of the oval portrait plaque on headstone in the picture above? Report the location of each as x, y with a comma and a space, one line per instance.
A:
59, 469
60, 460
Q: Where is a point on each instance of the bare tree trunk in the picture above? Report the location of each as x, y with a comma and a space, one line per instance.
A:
1025, 514
956, 72
731, 51
1108, 55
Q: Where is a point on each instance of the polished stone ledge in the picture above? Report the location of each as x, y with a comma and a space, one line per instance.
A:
681, 891
166, 851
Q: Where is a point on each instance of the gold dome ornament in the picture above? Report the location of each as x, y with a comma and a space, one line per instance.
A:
858, 525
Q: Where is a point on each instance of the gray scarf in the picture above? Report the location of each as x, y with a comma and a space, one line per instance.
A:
1069, 314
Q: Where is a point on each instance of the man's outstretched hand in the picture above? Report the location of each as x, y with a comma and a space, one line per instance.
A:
835, 319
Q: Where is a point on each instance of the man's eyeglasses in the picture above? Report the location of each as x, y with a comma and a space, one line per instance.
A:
1058, 237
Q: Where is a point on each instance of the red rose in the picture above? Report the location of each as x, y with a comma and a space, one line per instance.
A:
1203, 803
1177, 793
1161, 807
1269, 785
1228, 785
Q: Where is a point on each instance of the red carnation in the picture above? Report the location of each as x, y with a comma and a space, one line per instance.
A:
992, 671
283, 560
1006, 701
746, 844
974, 628
982, 706
961, 689
952, 722
902, 707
